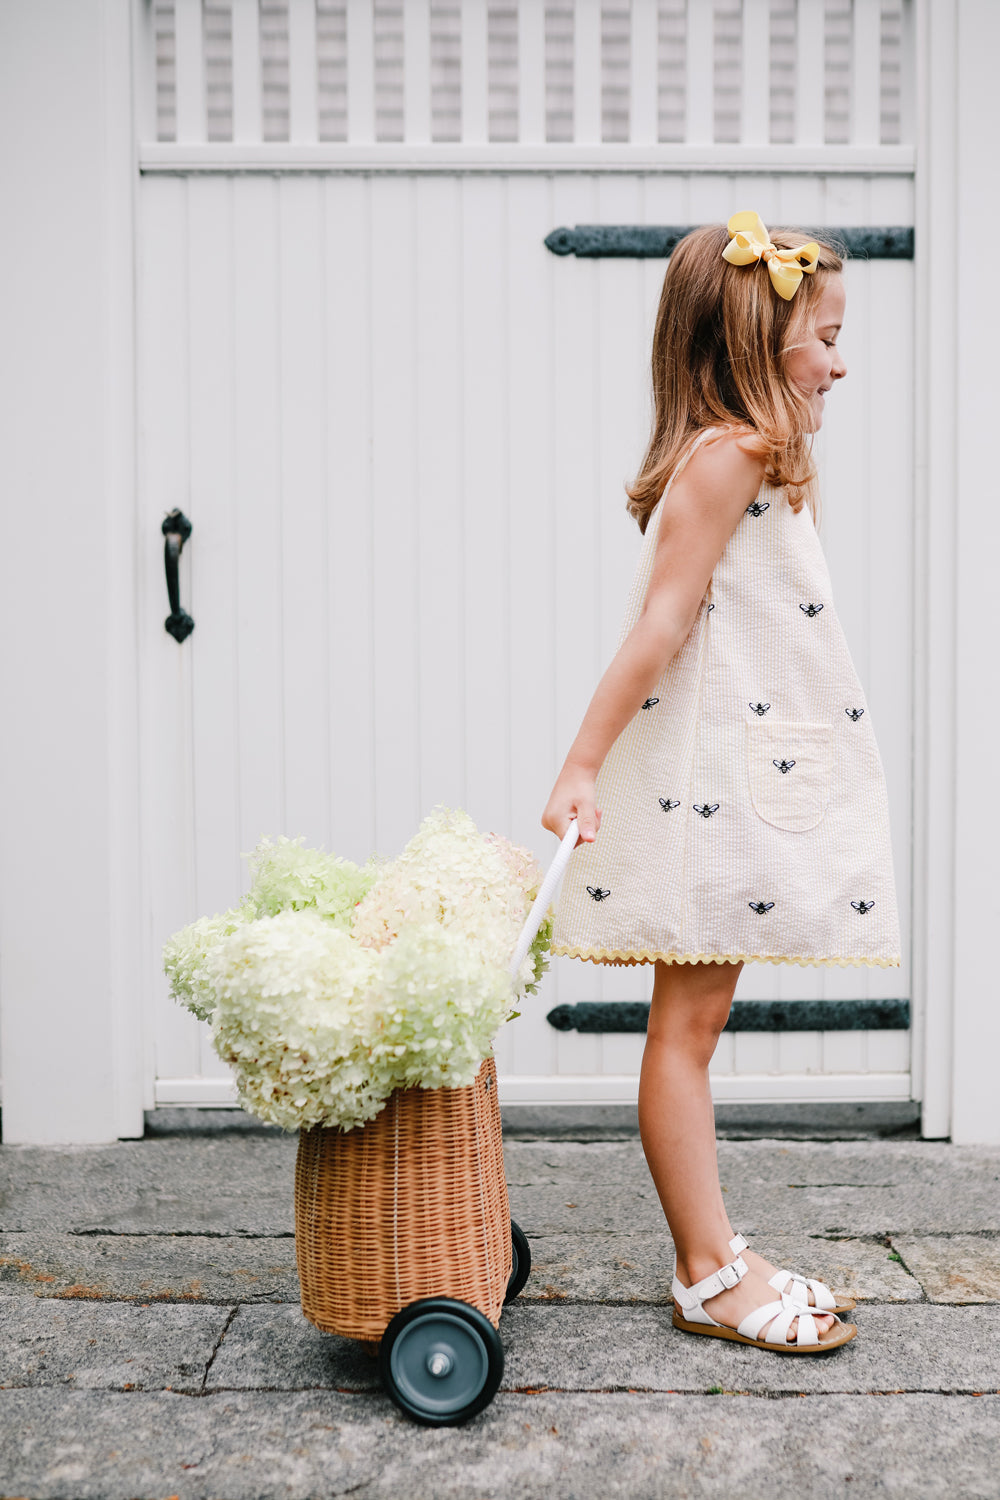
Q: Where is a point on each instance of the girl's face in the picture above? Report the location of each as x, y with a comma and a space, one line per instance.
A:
813, 365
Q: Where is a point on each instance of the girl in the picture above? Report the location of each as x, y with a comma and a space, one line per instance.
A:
728, 748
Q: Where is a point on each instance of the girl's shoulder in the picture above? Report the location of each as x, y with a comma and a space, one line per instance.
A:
724, 456
718, 477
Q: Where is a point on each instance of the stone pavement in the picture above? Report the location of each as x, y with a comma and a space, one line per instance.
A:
152, 1346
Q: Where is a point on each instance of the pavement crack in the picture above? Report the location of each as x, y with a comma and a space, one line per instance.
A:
895, 1254
821, 1185
754, 1395
218, 1345
178, 1234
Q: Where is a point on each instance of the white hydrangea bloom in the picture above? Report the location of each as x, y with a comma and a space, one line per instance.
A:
437, 1010
333, 984
449, 874
293, 1018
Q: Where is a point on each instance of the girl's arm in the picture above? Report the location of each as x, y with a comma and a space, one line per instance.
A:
702, 509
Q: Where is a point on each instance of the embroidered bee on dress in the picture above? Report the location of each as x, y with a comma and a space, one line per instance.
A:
862, 906
650, 702
784, 766
666, 804
705, 810
753, 509
597, 893
810, 609
760, 907
854, 713
760, 709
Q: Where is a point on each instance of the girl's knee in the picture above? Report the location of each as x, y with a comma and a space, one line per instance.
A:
695, 1036
690, 1007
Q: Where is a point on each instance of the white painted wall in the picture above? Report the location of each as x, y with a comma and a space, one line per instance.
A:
71, 909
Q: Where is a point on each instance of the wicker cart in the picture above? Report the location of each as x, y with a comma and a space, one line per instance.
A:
403, 1234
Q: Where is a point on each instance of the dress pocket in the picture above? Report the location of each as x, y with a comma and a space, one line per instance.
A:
789, 766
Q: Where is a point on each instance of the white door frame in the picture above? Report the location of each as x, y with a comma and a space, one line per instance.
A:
956, 821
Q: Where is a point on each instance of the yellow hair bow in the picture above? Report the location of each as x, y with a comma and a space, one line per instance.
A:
750, 242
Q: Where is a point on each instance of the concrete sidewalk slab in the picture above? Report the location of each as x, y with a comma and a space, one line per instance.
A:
953, 1268
242, 1184
606, 1349
597, 1349
592, 1267
240, 1446
131, 1268
150, 1267
92, 1346
609, 1268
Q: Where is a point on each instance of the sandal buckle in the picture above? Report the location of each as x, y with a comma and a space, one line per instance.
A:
729, 1276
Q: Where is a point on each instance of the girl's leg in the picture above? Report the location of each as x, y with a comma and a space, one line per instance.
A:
689, 1008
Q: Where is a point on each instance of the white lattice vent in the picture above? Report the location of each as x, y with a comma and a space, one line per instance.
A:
757, 72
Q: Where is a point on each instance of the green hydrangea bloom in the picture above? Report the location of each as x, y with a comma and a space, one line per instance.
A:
285, 876
186, 955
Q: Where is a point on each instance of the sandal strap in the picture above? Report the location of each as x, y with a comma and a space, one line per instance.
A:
780, 1315
738, 1244
722, 1280
797, 1288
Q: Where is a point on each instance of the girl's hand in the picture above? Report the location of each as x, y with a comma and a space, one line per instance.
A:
573, 797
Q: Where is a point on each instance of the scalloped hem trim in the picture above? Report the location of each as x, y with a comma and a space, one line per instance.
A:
647, 956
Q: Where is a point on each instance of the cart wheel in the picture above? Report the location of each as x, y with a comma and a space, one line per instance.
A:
441, 1361
521, 1268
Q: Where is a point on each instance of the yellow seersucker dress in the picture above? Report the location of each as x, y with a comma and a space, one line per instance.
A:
744, 810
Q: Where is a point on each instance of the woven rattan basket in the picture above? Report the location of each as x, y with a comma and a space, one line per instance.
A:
411, 1205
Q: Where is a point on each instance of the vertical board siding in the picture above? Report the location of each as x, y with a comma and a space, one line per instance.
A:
401, 429
247, 117
440, 560
360, 72
189, 92
485, 561
531, 402
257, 542
810, 72
302, 71
214, 579
166, 728
474, 71
395, 685
305, 633
348, 420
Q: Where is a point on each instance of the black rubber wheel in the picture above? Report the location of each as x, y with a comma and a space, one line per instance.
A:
521, 1267
441, 1361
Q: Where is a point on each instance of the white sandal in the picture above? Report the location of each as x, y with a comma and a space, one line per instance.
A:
691, 1317
797, 1288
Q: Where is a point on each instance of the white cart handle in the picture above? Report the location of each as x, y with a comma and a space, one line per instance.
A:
546, 895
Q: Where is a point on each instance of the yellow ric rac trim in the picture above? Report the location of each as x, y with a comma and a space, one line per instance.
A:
645, 956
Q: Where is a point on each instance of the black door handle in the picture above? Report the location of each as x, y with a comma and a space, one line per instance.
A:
176, 528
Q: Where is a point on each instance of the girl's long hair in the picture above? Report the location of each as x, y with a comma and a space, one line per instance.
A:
721, 336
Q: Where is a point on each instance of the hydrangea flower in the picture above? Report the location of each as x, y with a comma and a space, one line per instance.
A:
186, 955
294, 1017
287, 877
438, 1008
479, 888
332, 984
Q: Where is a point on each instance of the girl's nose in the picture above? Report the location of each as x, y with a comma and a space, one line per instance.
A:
839, 367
